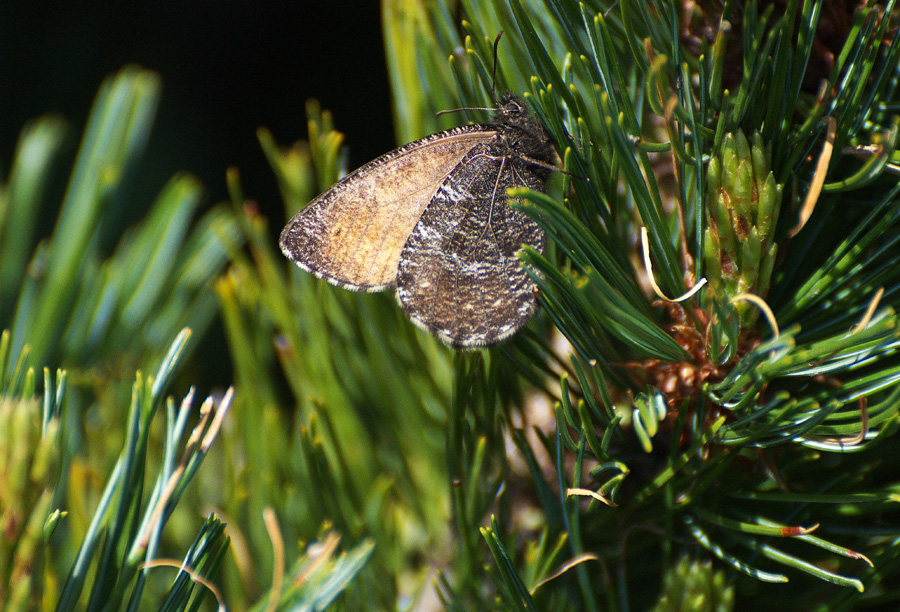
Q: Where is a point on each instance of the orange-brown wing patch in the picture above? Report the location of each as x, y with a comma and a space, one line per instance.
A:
352, 234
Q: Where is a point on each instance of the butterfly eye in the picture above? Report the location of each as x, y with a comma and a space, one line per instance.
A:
513, 106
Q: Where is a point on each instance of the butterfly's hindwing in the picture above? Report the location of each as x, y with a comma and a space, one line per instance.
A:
459, 275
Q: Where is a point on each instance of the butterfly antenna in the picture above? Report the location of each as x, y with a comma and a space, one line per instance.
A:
494, 72
456, 110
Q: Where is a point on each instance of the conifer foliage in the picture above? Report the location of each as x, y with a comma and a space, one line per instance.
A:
701, 416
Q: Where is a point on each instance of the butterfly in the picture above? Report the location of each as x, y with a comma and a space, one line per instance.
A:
431, 221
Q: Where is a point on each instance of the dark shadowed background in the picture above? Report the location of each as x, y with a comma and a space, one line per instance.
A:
228, 67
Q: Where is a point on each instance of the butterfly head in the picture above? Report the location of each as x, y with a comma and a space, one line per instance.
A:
511, 110
521, 129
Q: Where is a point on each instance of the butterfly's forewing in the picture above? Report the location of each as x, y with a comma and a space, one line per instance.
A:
352, 234
460, 276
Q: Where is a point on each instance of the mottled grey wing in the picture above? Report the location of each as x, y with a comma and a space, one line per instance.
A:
352, 234
459, 274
